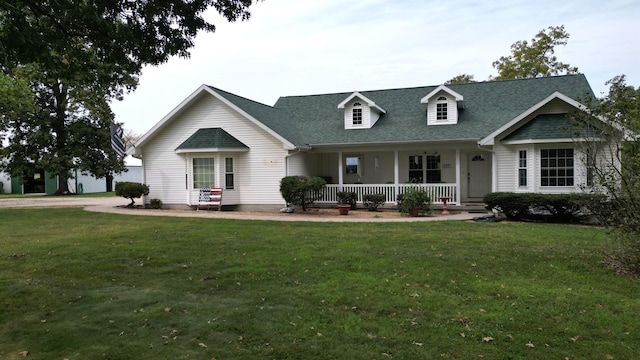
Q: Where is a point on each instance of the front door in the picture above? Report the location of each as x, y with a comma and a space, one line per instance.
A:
479, 175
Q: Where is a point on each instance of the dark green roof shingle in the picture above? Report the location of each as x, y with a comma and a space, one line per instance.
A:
211, 138
548, 126
316, 120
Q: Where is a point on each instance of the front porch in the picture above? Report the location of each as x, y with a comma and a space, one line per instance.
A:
390, 191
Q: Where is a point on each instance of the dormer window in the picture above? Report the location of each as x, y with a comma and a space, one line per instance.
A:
443, 106
441, 109
357, 114
360, 112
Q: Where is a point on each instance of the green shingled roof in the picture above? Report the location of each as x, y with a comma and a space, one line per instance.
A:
275, 119
211, 138
316, 120
549, 126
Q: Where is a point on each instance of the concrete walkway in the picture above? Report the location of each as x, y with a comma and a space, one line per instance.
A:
114, 205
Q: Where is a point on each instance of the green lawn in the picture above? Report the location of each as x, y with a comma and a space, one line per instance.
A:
80, 285
99, 194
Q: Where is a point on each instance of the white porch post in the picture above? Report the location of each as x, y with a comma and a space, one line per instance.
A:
494, 173
458, 187
340, 172
396, 172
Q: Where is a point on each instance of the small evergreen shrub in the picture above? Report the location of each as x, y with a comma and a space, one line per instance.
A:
155, 204
373, 201
131, 190
301, 190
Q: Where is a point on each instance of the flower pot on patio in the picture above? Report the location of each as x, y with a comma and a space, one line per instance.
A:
344, 209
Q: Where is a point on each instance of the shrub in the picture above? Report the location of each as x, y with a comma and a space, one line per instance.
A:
373, 201
301, 190
347, 197
414, 198
131, 190
560, 208
155, 204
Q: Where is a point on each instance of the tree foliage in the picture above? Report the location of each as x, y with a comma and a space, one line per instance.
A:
609, 134
536, 58
460, 79
75, 57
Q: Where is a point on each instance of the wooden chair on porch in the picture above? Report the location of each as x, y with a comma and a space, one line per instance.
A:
210, 199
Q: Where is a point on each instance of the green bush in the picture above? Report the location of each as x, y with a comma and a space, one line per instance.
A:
131, 190
559, 208
155, 204
414, 198
347, 197
373, 201
301, 190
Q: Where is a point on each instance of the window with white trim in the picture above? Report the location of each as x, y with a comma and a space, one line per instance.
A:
556, 167
228, 173
434, 174
203, 173
442, 108
352, 165
522, 168
357, 114
415, 169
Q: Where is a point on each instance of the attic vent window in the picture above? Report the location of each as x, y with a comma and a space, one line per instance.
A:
441, 108
357, 114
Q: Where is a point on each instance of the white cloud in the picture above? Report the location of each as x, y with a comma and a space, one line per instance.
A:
293, 47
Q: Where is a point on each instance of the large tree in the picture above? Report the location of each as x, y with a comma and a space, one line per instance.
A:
608, 135
536, 58
76, 56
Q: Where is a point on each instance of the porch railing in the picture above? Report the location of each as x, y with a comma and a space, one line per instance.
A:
435, 191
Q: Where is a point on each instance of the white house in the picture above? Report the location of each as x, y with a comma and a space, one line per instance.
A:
459, 141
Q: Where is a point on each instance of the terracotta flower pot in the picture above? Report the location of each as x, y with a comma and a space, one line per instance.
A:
415, 212
344, 209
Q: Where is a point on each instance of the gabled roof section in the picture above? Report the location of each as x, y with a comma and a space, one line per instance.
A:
545, 126
211, 140
272, 120
459, 98
363, 98
490, 139
487, 106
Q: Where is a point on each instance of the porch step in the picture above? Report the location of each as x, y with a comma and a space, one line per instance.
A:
466, 207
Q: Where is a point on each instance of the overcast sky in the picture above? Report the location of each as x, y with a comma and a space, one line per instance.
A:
304, 47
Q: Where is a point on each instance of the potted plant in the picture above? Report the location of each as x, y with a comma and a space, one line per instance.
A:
346, 201
415, 201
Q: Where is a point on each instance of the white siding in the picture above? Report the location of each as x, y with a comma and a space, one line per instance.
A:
257, 172
452, 110
369, 116
507, 165
506, 168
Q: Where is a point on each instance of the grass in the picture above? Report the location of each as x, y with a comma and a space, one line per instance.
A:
92, 195
81, 285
